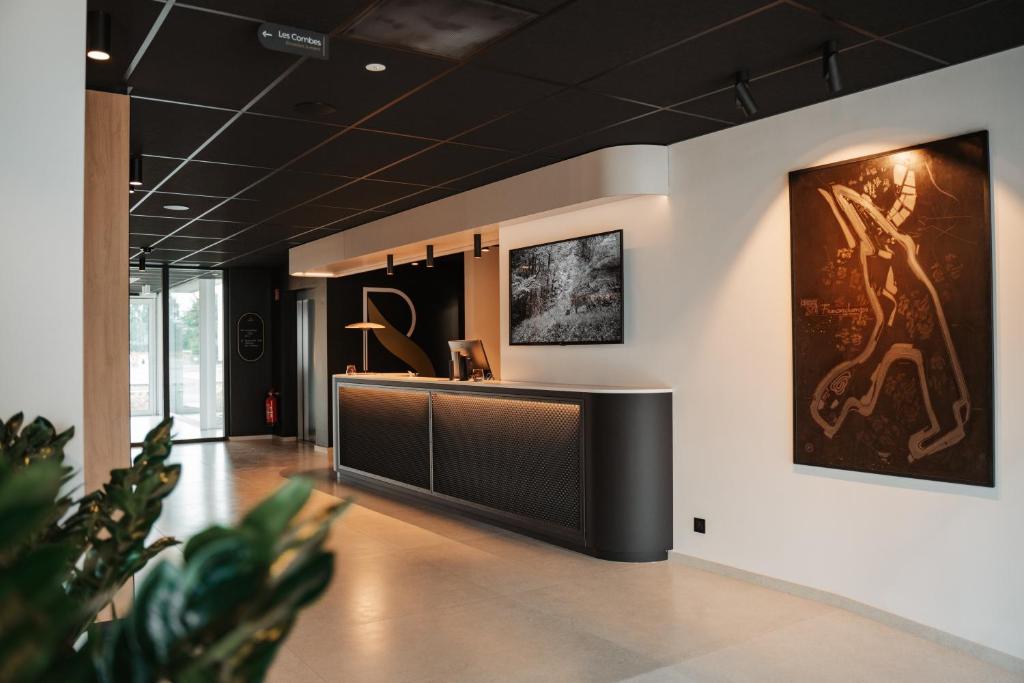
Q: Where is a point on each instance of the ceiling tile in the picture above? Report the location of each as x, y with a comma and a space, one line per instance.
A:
862, 67
358, 152
171, 256
355, 221
553, 119
153, 205
264, 258
453, 28
216, 180
344, 83
771, 40
172, 130
289, 188
506, 170
155, 170
176, 242
585, 39
316, 15
265, 140
882, 16
211, 229
978, 32
661, 128
424, 197
246, 212
153, 225
464, 98
538, 6
207, 58
262, 235
312, 216
443, 163
366, 194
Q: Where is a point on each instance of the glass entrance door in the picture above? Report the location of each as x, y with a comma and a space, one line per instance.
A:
196, 339
177, 351
145, 326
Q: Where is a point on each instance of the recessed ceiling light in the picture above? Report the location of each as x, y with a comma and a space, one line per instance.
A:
375, 66
175, 207
314, 108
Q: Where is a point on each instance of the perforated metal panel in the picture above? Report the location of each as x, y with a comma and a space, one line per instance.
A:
519, 456
385, 432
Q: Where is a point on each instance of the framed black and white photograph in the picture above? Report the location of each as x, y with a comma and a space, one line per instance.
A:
567, 292
892, 313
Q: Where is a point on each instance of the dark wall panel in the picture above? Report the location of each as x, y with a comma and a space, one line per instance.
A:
438, 296
249, 290
284, 371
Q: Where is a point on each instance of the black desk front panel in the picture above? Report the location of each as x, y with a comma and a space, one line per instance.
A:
591, 472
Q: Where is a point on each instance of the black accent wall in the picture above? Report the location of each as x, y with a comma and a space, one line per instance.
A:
438, 295
250, 290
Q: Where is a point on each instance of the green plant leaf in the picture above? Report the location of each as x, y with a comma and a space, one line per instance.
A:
269, 519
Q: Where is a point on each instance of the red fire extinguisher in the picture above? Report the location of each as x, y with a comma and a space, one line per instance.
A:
270, 407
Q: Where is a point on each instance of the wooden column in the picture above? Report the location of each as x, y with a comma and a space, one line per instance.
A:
107, 427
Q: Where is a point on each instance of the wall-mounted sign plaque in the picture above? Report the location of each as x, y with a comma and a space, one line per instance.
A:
250, 337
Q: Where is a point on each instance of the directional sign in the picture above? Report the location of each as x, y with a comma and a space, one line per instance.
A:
296, 41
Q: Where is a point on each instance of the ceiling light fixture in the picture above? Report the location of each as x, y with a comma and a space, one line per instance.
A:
142, 257
430, 256
375, 67
175, 207
744, 98
131, 190
414, 263
135, 171
97, 41
478, 250
830, 67
391, 264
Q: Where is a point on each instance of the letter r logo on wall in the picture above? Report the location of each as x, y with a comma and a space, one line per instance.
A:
398, 343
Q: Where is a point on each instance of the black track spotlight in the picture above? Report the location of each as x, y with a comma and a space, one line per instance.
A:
97, 38
135, 171
478, 250
142, 257
830, 67
430, 256
391, 264
744, 99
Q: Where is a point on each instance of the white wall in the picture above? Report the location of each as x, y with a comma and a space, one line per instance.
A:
42, 129
708, 291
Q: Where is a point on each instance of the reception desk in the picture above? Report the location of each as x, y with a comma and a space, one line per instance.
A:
586, 467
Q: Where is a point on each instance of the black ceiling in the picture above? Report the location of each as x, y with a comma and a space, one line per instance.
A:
214, 113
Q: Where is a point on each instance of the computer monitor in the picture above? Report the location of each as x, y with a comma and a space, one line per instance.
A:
474, 350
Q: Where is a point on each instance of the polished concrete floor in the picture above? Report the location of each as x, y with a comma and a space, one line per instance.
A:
420, 596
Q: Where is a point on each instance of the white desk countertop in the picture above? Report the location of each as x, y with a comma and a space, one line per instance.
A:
371, 377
